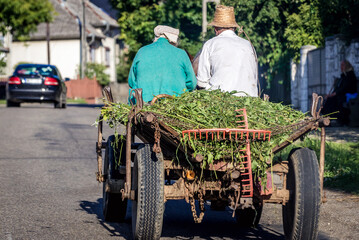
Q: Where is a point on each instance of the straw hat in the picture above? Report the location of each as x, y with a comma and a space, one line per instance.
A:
224, 17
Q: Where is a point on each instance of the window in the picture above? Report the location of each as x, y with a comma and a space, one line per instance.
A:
92, 54
107, 56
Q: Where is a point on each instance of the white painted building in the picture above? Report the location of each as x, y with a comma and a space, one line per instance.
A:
65, 40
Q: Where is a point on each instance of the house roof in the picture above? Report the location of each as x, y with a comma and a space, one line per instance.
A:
66, 21
94, 15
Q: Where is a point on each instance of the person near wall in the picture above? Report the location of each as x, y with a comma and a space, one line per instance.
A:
161, 67
343, 88
227, 61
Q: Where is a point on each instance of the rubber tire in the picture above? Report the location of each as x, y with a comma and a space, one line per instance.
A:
301, 212
249, 217
114, 209
64, 101
64, 104
148, 184
57, 104
12, 104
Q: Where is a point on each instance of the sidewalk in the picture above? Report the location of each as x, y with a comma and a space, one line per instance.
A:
338, 134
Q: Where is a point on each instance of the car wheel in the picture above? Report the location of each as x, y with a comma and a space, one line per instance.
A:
64, 104
12, 104
57, 104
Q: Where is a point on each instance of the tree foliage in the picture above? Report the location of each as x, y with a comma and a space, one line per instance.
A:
21, 17
339, 17
277, 28
304, 28
264, 22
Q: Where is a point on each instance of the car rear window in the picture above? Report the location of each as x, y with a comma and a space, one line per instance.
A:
35, 70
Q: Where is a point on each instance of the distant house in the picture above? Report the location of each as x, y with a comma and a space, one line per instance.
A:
65, 40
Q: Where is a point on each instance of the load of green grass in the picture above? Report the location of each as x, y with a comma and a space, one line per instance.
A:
215, 109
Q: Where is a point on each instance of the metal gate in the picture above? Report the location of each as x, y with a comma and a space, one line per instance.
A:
316, 73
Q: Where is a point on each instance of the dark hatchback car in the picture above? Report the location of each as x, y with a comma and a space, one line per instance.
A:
36, 83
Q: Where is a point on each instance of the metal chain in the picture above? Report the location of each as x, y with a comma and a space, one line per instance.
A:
197, 219
157, 136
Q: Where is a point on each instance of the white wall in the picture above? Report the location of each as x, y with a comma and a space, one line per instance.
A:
299, 80
110, 43
335, 51
65, 54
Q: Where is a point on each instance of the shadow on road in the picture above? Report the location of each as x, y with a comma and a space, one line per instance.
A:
85, 105
178, 224
115, 229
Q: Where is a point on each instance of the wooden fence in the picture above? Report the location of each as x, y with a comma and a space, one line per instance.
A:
88, 89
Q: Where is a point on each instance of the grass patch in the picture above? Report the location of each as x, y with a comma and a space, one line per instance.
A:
2, 101
77, 101
341, 170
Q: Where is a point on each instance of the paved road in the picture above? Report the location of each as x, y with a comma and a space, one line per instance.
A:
48, 188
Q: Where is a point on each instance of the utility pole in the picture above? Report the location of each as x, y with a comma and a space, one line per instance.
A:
48, 41
83, 40
204, 16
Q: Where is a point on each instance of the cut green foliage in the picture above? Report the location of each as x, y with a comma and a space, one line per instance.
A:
215, 109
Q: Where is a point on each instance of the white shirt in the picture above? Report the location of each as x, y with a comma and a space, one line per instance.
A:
227, 62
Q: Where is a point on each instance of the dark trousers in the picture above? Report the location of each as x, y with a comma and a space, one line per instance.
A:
336, 104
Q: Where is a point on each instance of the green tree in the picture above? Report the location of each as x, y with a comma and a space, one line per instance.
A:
277, 28
21, 17
264, 21
137, 20
339, 17
187, 16
97, 70
304, 28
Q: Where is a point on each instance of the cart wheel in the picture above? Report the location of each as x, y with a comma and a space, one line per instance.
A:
148, 184
114, 209
301, 212
250, 217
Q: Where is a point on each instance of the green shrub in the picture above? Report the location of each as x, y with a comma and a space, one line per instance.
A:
97, 70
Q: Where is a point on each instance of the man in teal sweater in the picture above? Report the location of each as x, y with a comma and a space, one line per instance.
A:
162, 68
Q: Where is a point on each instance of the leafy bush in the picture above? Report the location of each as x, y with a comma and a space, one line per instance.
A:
97, 70
341, 170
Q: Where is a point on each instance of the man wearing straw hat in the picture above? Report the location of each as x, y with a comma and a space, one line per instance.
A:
227, 62
161, 67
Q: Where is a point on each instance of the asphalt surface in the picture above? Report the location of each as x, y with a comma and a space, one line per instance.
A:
48, 188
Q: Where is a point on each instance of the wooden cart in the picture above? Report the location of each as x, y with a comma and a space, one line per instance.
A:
158, 169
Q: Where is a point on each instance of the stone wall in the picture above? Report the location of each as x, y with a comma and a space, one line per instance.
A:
335, 51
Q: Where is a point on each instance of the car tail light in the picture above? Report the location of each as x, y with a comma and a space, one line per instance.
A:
51, 81
14, 80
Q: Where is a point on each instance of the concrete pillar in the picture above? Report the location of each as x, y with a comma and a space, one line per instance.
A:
294, 94
303, 77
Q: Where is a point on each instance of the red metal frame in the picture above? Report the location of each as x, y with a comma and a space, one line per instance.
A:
240, 133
